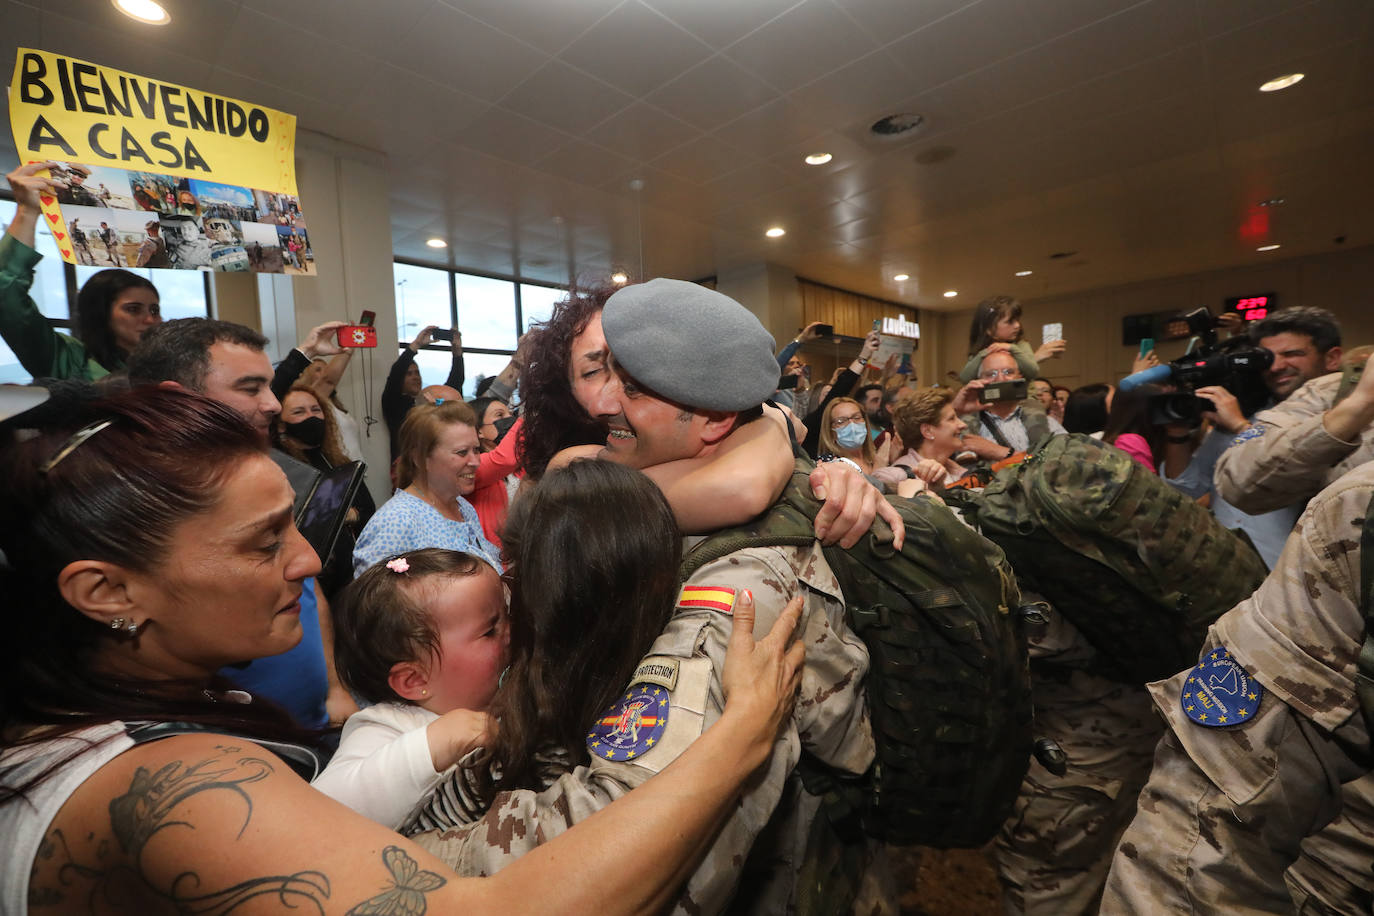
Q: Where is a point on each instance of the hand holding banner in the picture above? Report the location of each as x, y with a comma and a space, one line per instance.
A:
159, 175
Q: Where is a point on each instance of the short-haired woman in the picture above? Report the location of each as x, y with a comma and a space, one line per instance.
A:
436, 469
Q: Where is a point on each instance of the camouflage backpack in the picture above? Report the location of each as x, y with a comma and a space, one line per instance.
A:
1139, 567
1364, 664
948, 684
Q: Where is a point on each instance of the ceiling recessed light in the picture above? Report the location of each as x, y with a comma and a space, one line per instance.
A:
951, 293
902, 278
1024, 273
776, 232
1281, 82
620, 278
1271, 202
1266, 247
818, 158
144, 11
436, 243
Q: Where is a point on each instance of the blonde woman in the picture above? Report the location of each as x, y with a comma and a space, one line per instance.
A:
845, 434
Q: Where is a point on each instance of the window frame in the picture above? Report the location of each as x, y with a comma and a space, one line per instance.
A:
402, 341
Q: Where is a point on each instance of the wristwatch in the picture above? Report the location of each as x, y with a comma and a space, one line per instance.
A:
840, 458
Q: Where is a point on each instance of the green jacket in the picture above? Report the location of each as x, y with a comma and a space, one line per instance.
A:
1021, 351
42, 351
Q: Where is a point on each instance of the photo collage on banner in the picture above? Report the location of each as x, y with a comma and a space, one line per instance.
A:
225, 198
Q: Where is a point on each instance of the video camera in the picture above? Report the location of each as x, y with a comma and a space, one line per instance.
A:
1236, 365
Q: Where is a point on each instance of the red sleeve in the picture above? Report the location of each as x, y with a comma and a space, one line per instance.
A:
501, 460
1135, 445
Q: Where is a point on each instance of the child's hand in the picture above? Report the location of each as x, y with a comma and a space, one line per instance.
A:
1049, 350
453, 735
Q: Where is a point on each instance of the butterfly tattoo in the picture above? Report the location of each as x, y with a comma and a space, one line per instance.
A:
406, 896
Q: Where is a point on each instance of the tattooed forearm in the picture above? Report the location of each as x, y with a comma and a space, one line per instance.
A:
409, 884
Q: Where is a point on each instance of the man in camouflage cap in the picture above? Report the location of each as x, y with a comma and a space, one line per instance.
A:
1263, 732
690, 365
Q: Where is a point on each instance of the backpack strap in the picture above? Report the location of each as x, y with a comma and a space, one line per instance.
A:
1037, 427
306, 762
1350, 377
996, 432
1364, 671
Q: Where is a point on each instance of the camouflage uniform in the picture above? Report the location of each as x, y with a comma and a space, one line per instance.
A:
685, 662
1053, 853
1225, 809
1287, 454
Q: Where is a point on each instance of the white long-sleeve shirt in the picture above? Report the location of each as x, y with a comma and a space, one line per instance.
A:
383, 768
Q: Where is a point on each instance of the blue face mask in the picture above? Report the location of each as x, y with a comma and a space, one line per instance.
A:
851, 435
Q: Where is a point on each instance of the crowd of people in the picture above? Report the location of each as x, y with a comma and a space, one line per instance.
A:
496, 688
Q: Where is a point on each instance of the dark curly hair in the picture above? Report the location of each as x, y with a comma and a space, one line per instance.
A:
553, 418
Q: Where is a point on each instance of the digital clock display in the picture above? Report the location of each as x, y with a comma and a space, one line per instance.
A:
1251, 308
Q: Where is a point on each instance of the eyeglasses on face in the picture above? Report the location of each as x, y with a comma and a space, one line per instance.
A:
837, 421
993, 375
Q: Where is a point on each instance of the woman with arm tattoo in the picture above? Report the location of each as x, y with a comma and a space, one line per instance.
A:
149, 543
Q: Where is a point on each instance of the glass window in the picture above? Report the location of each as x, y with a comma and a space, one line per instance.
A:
181, 293
486, 312
49, 290
537, 302
422, 299
434, 366
479, 365
11, 373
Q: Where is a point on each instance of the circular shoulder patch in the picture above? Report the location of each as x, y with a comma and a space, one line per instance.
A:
632, 725
1219, 692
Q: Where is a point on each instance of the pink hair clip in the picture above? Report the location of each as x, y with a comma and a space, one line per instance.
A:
398, 565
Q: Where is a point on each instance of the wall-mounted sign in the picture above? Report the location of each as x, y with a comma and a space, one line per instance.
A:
1252, 308
900, 327
159, 175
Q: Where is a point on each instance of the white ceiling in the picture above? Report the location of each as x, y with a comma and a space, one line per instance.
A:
1128, 131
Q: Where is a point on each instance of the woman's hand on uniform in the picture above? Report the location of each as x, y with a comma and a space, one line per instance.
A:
761, 677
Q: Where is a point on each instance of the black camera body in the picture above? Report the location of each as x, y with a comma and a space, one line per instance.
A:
1236, 365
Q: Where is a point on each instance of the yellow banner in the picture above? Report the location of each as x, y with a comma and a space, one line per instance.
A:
158, 175
75, 111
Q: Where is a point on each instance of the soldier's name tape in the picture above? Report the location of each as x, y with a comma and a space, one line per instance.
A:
1219, 693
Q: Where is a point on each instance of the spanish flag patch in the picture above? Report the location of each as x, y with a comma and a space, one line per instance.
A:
712, 597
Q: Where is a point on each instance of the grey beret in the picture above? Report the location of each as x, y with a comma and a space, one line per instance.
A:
691, 345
